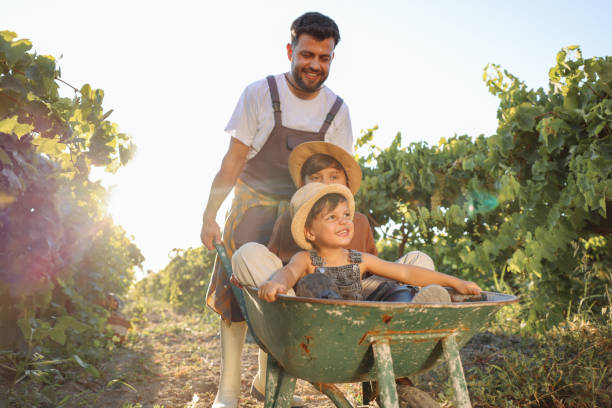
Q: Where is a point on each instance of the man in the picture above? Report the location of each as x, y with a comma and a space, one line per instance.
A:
272, 116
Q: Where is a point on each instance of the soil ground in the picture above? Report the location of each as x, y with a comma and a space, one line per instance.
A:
171, 359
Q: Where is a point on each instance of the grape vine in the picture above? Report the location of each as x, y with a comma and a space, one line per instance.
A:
524, 210
60, 252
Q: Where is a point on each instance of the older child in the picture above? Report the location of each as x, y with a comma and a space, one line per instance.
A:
322, 224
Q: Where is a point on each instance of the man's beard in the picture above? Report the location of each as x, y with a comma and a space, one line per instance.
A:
303, 86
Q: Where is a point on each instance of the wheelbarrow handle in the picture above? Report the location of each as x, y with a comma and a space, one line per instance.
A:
225, 262
227, 267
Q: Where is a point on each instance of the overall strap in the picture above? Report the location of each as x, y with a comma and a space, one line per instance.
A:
275, 99
354, 256
316, 260
331, 115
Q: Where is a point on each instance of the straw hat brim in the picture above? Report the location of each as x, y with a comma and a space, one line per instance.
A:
303, 151
303, 201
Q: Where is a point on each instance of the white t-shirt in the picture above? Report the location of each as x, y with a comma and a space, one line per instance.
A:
253, 117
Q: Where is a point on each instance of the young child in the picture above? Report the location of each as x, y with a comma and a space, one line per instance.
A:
322, 224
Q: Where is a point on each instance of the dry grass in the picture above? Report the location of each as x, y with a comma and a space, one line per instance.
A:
171, 359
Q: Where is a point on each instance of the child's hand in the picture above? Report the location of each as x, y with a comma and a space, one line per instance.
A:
468, 288
234, 280
269, 290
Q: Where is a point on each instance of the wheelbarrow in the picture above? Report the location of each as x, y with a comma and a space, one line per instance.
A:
326, 341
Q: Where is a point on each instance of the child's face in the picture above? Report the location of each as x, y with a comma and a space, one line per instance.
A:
333, 228
329, 175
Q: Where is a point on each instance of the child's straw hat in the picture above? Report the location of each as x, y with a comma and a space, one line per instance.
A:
302, 202
303, 151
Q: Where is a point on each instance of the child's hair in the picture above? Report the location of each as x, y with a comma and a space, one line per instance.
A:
318, 162
326, 203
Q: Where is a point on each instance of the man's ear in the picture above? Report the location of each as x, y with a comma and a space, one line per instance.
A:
289, 51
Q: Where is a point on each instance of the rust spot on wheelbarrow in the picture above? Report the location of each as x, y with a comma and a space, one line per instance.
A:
304, 344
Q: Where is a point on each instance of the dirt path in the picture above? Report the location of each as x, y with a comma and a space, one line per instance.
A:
171, 359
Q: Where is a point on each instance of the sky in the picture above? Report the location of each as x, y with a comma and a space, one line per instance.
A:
173, 72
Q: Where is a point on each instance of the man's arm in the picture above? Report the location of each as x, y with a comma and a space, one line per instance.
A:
224, 181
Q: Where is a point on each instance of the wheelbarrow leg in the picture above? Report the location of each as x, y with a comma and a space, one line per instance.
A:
279, 386
455, 371
334, 394
385, 373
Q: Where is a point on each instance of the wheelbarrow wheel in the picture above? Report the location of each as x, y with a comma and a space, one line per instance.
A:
411, 397
408, 396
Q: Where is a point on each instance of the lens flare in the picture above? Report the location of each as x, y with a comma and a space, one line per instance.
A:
480, 202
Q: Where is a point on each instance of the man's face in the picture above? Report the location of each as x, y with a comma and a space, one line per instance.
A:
310, 61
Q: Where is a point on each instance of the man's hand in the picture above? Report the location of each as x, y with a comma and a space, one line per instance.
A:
211, 233
234, 281
224, 181
269, 290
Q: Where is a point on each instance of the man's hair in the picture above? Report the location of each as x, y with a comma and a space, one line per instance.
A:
318, 162
316, 24
326, 203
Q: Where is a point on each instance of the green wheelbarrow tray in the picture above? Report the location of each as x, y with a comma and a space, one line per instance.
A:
342, 341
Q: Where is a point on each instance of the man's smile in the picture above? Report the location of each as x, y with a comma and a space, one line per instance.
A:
312, 75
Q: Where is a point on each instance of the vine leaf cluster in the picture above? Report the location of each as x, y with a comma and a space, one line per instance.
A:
60, 253
524, 210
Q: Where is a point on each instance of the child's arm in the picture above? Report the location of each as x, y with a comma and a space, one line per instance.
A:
285, 278
415, 275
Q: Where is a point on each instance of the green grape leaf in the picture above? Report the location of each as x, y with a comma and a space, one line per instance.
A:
22, 129
525, 115
8, 124
72, 323
58, 335
7, 36
570, 101
17, 50
50, 146
605, 71
510, 188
